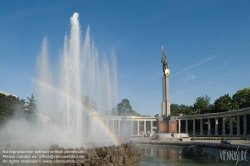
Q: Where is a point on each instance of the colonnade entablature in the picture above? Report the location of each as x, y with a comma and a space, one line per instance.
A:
243, 111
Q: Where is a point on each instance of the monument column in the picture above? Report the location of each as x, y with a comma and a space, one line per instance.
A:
186, 126
113, 125
165, 122
249, 124
238, 125
179, 126
231, 126
223, 127
131, 128
193, 126
208, 127
119, 125
216, 126
201, 127
151, 129
145, 132
138, 127
165, 105
245, 124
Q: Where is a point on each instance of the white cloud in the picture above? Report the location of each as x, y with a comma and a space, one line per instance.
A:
204, 61
189, 78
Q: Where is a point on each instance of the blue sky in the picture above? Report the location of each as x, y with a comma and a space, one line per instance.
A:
207, 45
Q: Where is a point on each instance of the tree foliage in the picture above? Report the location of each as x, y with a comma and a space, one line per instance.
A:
174, 110
178, 110
30, 108
125, 109
224, 103
242, 97
10, 106
202, 105
89, 103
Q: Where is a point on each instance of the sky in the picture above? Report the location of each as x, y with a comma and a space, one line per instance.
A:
207, 44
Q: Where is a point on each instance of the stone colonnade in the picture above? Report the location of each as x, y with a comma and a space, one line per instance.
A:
133, 122
115, 123
205, 119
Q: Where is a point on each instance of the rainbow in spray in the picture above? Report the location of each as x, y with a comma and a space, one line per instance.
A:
81, 74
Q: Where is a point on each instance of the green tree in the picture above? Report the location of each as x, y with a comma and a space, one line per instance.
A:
174, 110
242, 97
89, 103
177, 110
114, 111
31, 104
224, 103
30, 108
202, 105
186, 110
10, 106
125, 109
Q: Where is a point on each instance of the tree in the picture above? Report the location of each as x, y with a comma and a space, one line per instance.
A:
186, 110
10, 106
89, 103
31, 104
30, 108
202, 105
224, 103
125, 109
242, 97
174, 110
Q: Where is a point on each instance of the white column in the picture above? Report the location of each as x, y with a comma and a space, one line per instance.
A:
238, 125
138, 127
107, 123
119, 126
216, 126
193, 126
223, 126
245, 124
151, 128
186, 126
113, 126
231, 126
131, 128
208, 127
145, 132
179, 126
249, 122
201, 127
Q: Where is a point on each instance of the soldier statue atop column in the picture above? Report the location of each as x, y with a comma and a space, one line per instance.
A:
164, 63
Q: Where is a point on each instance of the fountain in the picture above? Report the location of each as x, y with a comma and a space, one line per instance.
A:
81, 74
62, 116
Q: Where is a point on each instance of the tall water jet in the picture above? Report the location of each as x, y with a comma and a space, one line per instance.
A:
80, 75
44, 76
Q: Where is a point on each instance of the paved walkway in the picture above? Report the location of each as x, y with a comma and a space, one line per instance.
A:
242, 144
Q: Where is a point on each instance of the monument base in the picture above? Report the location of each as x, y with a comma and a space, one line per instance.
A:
171, 136
167, 127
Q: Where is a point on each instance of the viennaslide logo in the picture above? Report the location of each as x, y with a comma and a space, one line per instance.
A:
236, 155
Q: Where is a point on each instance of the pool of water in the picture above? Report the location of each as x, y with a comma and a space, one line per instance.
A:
167, 155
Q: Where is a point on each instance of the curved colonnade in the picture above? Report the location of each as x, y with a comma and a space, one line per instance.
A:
138, 126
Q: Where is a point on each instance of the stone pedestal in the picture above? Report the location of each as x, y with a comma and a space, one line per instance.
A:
167, 127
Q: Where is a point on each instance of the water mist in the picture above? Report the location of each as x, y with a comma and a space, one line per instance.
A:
60, 95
